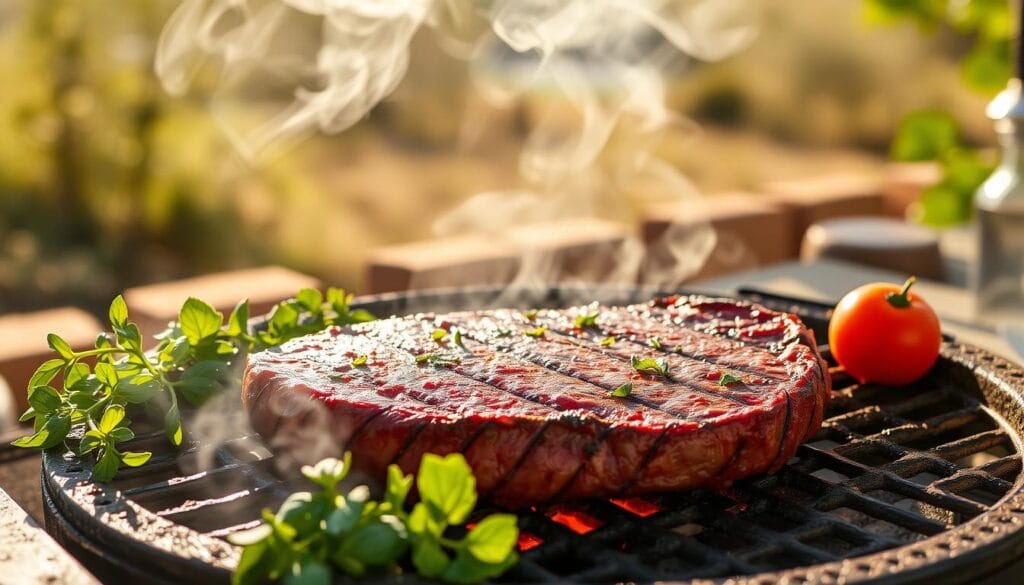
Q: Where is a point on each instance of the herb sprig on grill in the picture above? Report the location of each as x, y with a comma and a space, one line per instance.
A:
315, 534
194, 359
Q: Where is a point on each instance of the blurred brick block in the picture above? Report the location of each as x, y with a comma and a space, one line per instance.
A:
575, 249
23, 342
441, 262
750, 231
905, 182
152, 306
820, 198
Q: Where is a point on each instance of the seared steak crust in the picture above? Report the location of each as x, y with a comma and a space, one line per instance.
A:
527, 397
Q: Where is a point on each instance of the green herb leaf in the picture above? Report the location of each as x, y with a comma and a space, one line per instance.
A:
51, 432
359, 361
654, 342
329, 472
308, 571
650, 366
586, 320
439, 334
530, 314
112, 417
118, 312
447, 486
608, 341
57, 344
457, 336
44, 399
46, 372
728, 379
199, 321
310, 299
398, 487
172, 425
438, 360
535, 332
623, 390
133, 459
428, 558
493, 539
107, 466
238, 322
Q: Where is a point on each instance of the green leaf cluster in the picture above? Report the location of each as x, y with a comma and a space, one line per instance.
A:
586, 320
195, 358
650, 366
315, 534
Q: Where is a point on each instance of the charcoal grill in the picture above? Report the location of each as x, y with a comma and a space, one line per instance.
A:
910, 485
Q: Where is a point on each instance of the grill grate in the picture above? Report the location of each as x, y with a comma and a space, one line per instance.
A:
889, 468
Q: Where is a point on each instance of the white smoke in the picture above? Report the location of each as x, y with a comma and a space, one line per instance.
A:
605, 61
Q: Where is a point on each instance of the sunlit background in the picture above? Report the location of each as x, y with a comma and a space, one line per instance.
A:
108, 181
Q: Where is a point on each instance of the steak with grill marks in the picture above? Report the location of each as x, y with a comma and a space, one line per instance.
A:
527, 397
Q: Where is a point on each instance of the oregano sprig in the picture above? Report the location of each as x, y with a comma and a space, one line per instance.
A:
193, 359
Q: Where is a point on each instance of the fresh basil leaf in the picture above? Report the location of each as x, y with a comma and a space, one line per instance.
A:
75, 373
649, 365
44, 399
112, 416
439, 335
310, 299
608, 341
91, 441
654, 342
138, 389
256, 562
398, 487
202, 380
82, 399
359, 361
46, 372
377, 544
118, 312
493, 539
344, 517
468, 569
308, 571
175, 351
447, 486
172, 425
728, 379
121, 434
358, 316
327, 473
530, 314
238, 323
535, 332
107, 466
623, 390
29, 414
428, 558
135, 459
586, 320
129, 336
51, 432
283, 319
106, 374
303, 512
199, 321
59, 345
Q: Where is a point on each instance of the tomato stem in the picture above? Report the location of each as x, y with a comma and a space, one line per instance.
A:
901, 300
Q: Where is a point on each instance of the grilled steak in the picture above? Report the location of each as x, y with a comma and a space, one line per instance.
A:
527, 398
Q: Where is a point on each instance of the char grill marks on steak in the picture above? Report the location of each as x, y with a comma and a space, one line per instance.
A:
534, 415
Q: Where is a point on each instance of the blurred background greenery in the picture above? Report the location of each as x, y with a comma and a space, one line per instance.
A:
107, 182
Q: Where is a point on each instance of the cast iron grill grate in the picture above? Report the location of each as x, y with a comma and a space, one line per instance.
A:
895, 480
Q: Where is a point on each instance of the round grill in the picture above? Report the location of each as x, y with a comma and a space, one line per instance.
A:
921, 483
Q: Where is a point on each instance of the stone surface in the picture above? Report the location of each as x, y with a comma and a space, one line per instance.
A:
29, 556
826, 197
152, 306
880, 242
555, 251
23, 342
750, 231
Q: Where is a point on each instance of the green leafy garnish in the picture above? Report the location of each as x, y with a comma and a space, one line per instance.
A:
439, 335
196, 357
437, 360
359, 361
586, 320
728, 379
457, 336
608, 341
535, 332
654, 342
649, 366
316, 535
503, 332
623, 390
530, 314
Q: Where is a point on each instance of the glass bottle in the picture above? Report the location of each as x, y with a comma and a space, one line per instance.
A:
999, 203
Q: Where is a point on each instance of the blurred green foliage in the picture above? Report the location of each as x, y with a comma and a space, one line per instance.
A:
935, 136
104, 180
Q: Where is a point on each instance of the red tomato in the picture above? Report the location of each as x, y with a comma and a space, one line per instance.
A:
886, 334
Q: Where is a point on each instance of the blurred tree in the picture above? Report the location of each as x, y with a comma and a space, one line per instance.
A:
104, 180
986, 25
